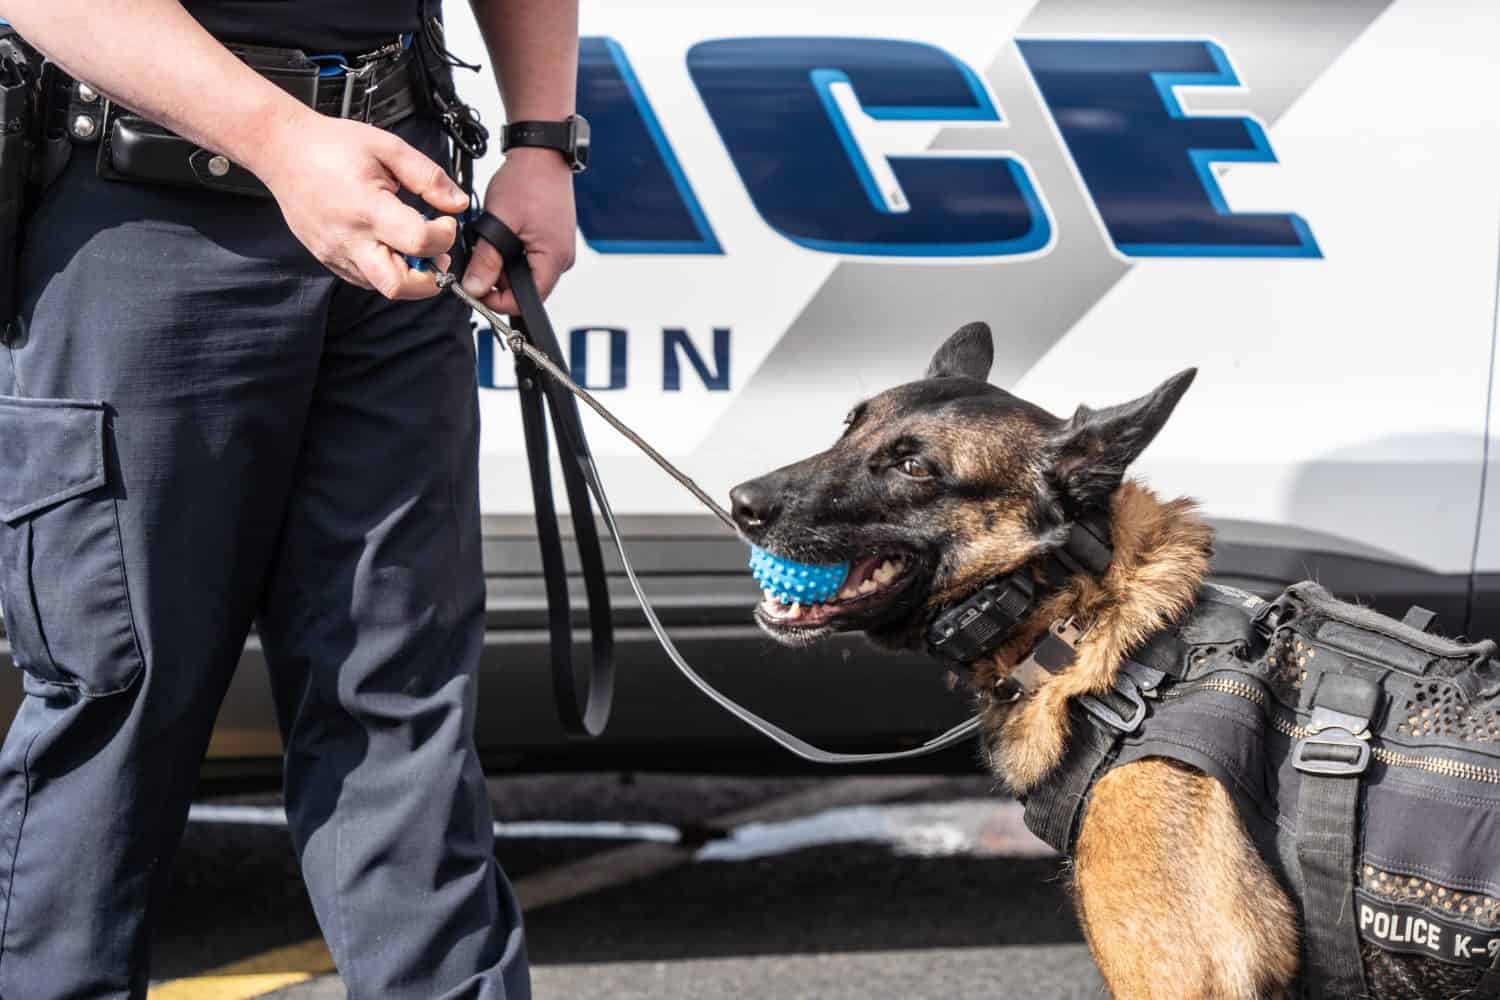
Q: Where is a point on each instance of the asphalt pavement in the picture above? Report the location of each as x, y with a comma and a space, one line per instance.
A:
650, 886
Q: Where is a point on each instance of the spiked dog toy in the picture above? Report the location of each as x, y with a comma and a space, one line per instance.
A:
793, 582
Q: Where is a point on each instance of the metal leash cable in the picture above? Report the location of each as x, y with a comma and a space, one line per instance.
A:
518, 345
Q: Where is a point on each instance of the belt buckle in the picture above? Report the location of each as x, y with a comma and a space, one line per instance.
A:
352, 75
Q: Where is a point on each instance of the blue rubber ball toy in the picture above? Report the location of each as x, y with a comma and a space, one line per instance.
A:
793, 582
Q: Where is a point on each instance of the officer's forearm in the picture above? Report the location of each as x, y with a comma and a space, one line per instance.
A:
534, 46
152, 57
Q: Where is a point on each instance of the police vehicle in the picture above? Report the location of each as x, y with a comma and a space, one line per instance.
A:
789, 204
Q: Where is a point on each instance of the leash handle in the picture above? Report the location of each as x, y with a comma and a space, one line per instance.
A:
583, 710
539, 349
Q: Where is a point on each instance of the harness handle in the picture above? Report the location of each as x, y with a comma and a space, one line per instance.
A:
534, 343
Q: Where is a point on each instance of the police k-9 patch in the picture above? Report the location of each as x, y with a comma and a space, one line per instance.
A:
1416, 931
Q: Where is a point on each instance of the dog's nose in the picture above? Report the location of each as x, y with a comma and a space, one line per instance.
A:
754, 504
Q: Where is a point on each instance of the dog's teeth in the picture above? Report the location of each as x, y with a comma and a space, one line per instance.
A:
796, 611
885, 572
869, 587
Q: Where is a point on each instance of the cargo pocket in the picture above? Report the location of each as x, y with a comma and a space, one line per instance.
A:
62, 568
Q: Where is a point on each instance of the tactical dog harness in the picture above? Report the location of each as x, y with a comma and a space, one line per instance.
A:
1363, 754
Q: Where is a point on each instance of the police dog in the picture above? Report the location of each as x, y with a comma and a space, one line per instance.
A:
937, 487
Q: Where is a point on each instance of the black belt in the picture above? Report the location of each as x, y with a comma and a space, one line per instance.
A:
380, 88
535, 347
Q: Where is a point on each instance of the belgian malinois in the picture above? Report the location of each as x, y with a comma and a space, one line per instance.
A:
943, 484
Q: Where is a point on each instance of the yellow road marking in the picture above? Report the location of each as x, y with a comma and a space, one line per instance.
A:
251, 977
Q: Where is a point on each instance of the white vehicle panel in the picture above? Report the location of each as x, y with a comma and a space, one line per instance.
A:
1344, 393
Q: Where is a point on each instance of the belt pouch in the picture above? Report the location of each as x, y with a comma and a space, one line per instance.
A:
133, 148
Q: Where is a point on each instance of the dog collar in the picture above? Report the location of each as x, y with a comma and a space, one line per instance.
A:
968, 630
1054, 651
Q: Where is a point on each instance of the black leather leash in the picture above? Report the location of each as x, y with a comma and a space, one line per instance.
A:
536, 348
582, 711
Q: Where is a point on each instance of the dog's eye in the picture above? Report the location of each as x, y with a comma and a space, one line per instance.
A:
914, 468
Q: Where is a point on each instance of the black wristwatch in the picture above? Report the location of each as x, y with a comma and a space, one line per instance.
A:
570, 137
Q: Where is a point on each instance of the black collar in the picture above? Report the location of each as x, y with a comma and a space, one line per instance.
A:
969, 629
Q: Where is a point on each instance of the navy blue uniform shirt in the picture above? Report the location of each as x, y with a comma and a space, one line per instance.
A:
348, 27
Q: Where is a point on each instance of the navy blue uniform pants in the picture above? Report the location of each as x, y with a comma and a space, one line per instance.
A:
201, 429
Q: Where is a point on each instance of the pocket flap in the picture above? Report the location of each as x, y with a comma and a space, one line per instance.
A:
51, 450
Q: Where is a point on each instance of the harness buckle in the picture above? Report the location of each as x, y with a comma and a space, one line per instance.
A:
1336, 743
1126, 688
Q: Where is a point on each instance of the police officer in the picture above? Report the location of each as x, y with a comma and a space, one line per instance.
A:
217, 409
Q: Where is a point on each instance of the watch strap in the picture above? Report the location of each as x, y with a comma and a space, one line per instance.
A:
549, 135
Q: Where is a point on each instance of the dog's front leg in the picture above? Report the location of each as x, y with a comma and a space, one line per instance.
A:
1173, 897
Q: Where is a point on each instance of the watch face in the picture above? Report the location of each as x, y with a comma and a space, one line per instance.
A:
581, 143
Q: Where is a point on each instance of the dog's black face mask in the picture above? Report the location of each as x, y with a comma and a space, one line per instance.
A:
935, 488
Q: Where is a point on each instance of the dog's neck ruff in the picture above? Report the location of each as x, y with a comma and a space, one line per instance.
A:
968, 630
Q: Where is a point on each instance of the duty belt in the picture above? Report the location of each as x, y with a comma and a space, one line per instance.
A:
382, 88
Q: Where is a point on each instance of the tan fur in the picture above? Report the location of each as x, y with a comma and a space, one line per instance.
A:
1161, 557
1174, 900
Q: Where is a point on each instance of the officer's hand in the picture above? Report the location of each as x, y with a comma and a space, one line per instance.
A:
336, 183
532, 193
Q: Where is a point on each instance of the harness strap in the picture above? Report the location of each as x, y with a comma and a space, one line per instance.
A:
542, 352
1331, 758
1055, 808
1165, 654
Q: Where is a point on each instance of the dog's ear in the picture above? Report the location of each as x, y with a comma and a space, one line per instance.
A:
1093, 449
967, 354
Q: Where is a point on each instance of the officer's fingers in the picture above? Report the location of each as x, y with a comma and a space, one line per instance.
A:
421, 176
483, 271
546, 269
388, 273
403, 229
502, 302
